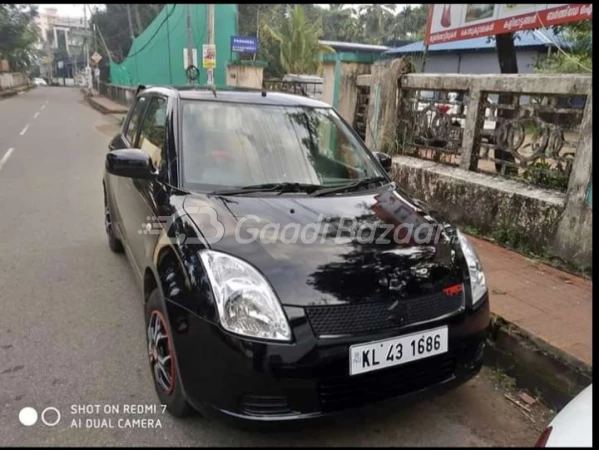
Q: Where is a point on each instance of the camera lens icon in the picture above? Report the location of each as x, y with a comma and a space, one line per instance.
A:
50, 416
28, 416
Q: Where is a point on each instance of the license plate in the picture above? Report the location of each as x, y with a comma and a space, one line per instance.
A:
395, 351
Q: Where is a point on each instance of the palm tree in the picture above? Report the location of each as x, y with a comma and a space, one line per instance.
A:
375, 17
341, 24
298, 42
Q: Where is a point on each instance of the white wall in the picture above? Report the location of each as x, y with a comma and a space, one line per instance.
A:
477, 62
12, 80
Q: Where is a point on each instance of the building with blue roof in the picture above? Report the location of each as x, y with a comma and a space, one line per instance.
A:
479, 55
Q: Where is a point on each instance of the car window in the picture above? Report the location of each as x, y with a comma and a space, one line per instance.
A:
133, 123
337, 146
233, 145
152, 136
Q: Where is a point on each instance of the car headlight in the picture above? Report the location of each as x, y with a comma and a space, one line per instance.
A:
246, 303
478, 283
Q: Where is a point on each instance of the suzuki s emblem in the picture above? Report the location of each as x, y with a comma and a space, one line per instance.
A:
394, 283
423, 272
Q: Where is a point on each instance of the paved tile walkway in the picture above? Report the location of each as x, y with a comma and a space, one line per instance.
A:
552, 305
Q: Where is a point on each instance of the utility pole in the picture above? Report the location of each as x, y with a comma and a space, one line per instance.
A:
96, 51
86, 49
189, 42
130, 22
210, 25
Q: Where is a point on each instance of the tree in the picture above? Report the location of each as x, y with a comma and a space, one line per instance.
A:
375, 18
18, 35
251, 21
375, 24
410, 23
299, 49
340, 23
114, 26
578, 58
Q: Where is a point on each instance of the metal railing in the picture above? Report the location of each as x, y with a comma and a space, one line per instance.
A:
528, 129
123, 95
306, 89
361, 114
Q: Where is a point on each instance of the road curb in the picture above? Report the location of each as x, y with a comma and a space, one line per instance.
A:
100, 108
13, 92
536, 365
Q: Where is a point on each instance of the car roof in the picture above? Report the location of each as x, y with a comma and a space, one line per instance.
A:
237, 95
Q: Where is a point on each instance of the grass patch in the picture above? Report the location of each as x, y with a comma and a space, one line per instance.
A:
501, 379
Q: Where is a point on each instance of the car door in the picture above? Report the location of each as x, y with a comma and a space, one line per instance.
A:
143, 213
119, 188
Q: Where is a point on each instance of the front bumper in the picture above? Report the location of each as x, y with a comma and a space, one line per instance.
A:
309, 378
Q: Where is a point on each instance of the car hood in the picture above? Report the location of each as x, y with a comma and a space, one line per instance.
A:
332, 265
573, 425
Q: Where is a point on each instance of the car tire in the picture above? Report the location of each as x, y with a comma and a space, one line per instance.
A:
113, 242
172, 397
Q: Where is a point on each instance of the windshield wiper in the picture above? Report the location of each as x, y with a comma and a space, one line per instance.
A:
280, 188
349, 187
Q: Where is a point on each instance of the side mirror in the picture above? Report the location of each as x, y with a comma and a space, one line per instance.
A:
385, 160
131, 163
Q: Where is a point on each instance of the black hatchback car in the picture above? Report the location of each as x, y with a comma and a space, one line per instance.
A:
284, 274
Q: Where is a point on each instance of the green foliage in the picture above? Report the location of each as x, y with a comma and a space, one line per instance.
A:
299, 49
375, 18
578, 58
542, 174
18, 34
251, 20
374, 23
368, 24
341, 24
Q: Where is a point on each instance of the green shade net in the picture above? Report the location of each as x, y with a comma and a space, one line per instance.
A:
156, 56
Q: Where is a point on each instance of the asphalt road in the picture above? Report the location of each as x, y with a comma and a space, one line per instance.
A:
71, 327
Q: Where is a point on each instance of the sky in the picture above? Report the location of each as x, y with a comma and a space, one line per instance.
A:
69, 10
76, 10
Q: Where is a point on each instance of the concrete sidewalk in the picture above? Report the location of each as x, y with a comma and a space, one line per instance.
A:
106, 106
551, 305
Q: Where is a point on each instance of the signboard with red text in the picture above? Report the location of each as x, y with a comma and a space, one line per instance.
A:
454, 22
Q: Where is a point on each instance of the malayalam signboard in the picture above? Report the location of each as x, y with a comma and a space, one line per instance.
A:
454, 22
244, 44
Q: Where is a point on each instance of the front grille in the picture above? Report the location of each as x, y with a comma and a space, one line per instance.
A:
347, 391
375, 316
265, 405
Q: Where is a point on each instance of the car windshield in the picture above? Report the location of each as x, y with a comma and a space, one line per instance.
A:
232, 145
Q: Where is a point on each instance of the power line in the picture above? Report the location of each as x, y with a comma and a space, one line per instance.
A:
168, 14
551, 41
108, 52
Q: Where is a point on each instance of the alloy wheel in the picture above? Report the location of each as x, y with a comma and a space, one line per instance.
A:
107, 219
159, 351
